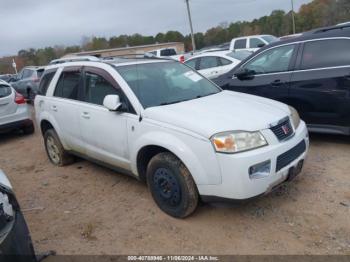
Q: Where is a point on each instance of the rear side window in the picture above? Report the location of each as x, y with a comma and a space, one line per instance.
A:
27, 73
208, 62
68, 85
192, 63
240, 44
168, 52
225, 61
326, 53
45, 82
5, 91
256, 43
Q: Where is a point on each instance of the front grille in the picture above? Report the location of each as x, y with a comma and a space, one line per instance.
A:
283, 130
288, 157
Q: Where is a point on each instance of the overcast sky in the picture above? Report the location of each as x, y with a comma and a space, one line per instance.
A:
40, 23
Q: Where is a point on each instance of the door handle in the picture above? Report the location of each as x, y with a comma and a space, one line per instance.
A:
85, 115
54, 108
277, 82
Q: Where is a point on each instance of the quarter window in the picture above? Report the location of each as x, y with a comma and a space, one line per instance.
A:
225, 61
68, 85
27, 73
272, 61
208, 62
192, 63
326, 53
97, 88
240, 44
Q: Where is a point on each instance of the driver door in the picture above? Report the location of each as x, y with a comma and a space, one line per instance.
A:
270, 77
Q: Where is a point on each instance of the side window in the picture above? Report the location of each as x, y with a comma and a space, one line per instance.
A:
272, 61
326, 53
68, 85
224, 61
192, 63
240, 44
27, 73
208, 62
45, 82
255, 43
97, 88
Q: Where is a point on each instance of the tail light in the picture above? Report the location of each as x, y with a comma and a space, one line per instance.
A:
19, 99
182, 59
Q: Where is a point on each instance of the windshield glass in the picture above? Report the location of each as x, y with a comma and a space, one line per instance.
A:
239, 55
270, 39
157, 84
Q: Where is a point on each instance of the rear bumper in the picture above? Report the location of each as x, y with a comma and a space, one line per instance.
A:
21, 118
17, 245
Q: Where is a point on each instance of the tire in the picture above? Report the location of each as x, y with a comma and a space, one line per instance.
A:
55, 151
28, 130
171, 185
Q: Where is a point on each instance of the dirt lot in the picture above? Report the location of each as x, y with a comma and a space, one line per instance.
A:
88, 209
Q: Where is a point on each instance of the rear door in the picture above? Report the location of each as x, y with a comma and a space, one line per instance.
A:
64, 108
7, 101
320, 88
271, 74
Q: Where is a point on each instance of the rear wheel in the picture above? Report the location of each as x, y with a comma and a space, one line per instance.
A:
171, 185
55, 151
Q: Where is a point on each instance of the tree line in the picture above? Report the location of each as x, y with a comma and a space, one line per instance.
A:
317, 13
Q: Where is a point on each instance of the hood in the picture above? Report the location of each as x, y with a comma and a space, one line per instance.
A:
225, 111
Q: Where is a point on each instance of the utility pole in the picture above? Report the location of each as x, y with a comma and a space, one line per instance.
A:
293, 18
191, 26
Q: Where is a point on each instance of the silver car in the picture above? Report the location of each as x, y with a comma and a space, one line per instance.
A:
14, 111
27, 82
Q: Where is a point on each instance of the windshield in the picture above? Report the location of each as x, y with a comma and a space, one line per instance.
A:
164, 83
239, 55
269, 38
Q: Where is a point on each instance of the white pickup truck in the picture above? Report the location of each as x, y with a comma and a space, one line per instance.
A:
167, 53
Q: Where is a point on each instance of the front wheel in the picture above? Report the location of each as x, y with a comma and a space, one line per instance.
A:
171, 185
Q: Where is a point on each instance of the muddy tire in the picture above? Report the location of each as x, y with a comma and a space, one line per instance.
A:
55, 151
171, 185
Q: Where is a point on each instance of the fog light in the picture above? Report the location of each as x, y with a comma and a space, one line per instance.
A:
260, 170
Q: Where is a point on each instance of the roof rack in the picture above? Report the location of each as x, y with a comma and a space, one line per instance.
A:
326, 29
74, 59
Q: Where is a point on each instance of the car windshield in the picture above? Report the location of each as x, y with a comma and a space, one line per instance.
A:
239, 55
269, 38
164, 83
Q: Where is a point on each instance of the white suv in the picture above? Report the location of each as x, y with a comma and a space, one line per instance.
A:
162, 122
252, 43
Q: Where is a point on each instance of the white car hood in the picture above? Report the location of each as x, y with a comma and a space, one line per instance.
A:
225, 111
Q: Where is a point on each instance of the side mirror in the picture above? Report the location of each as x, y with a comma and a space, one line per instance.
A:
244, 74
112, 102
261, 45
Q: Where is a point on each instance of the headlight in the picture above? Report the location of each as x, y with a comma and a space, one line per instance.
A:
237, 141
295, 117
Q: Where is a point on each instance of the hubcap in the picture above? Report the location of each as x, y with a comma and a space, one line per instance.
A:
167, 187
52, 149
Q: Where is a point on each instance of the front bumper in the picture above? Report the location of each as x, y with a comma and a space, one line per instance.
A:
236, 183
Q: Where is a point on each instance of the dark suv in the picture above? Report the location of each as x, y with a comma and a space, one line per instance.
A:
27, 82
310, 73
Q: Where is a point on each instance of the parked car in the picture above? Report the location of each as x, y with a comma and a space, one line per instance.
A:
7, 77
162, 122
252, 43
27, 82
214, 64
14, 111
15, 241
310, 73
167, 53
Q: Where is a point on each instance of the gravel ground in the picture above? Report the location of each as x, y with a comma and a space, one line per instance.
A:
87, 209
